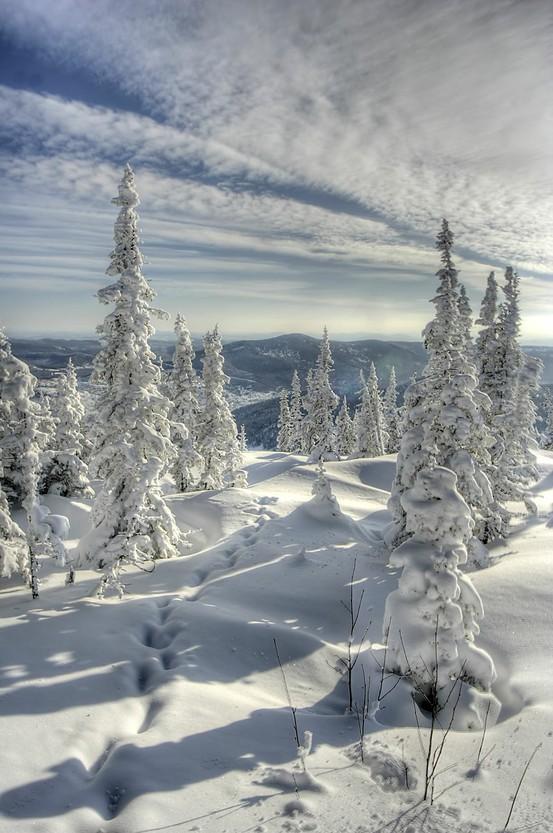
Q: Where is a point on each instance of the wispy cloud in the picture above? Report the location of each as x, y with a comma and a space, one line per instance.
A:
311, 145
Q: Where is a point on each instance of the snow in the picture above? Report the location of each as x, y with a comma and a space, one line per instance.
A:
166, 710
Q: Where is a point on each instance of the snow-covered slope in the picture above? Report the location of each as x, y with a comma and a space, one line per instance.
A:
167, 710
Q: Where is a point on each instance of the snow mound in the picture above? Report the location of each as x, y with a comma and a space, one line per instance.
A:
290, 780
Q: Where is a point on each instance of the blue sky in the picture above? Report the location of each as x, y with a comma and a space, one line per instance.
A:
293, 158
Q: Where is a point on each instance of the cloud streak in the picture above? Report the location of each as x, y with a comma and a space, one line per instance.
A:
317, 143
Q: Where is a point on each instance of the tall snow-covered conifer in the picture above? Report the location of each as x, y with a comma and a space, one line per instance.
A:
284, 424
511, 379
391, 414
14, 547
444, 416
486, 341
243, 439
20, 447
296, 415
46, 423
371, 435
64, 472
187, 467
217, 432
320, 403
132, 523
344, 434
465, 324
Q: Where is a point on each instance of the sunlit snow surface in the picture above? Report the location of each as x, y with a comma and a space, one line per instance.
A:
167, 711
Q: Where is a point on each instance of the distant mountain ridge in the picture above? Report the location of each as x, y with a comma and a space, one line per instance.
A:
262, 365
260, 368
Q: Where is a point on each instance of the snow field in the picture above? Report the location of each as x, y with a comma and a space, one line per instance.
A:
167, 710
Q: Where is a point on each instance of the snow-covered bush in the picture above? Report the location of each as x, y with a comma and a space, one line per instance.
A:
323, 505
431, 620
47, 533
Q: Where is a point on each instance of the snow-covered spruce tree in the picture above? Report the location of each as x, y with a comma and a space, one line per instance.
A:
89, 424
512, 386
217, 435
547, 436
64, 472
344, 433
502, 368
431, 620
305, 404
46, 423
444, 421
486, 341
372, 437
20, 446
296, 415
465, 323
237, 476
243, 439
132, 524
525, 416
391, 414
320, 403
284, 425
14, 547
323, 503
183, 387
508, 356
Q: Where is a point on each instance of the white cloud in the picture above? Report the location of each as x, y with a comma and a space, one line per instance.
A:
293, 112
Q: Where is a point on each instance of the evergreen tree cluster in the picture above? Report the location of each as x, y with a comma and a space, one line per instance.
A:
141, 431
318, 425
468, 433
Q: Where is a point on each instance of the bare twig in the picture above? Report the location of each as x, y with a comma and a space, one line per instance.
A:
286, 689
519, 785
478, 761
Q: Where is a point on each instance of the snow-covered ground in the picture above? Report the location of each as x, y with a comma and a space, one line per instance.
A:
167, 711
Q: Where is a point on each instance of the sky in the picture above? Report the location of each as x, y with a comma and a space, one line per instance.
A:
293, 159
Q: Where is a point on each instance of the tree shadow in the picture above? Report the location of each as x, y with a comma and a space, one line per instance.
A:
78, 655
264, 738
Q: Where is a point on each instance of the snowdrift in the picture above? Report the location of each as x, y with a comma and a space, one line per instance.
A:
168, 710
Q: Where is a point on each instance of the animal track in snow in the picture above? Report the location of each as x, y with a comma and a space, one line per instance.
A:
100, 762
152, 712
146, 673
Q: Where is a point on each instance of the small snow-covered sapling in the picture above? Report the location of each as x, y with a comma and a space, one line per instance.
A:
304, 749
